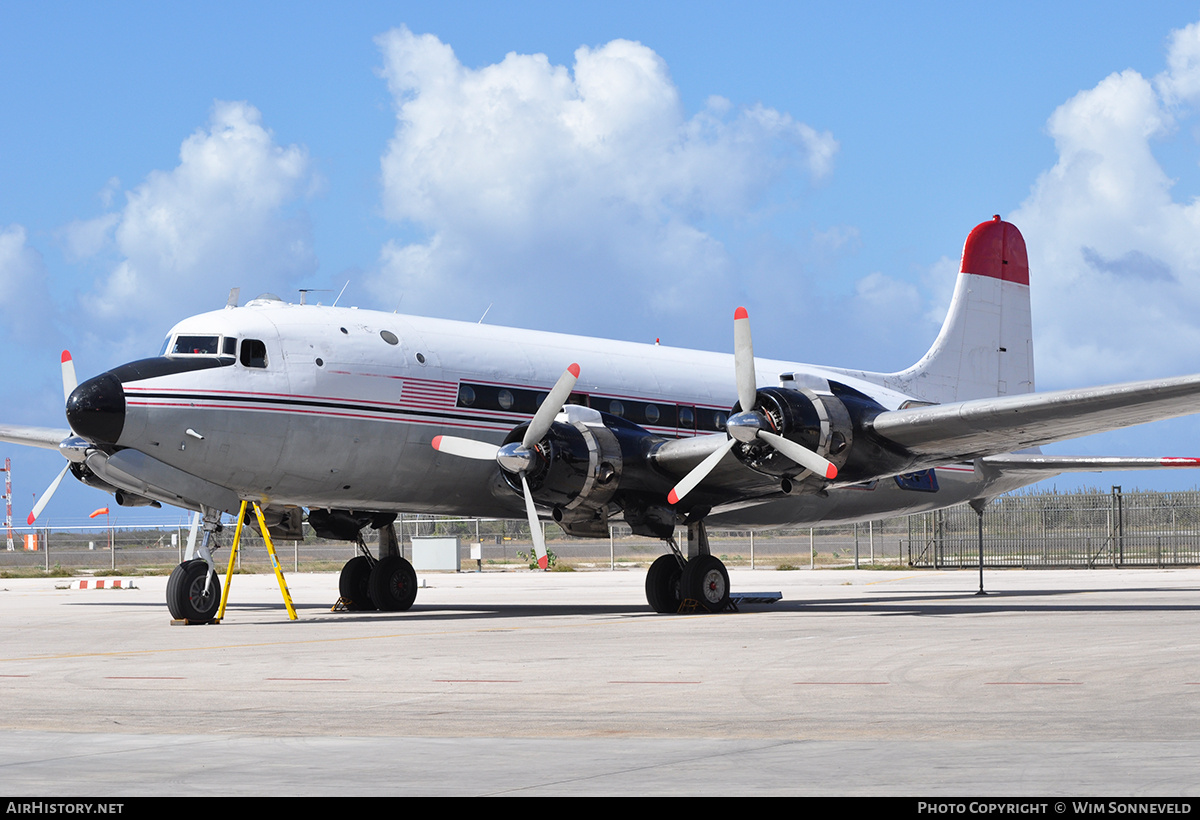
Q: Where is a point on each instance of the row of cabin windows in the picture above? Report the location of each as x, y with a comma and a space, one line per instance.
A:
518, 400
253, 351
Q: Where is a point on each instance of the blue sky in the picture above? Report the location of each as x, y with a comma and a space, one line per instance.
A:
624, 170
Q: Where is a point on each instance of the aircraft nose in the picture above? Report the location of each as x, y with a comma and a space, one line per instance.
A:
96, 409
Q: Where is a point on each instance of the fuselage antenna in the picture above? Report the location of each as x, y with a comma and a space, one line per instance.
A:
489, 307
340, 292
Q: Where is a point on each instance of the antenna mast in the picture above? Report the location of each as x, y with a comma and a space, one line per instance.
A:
8, 501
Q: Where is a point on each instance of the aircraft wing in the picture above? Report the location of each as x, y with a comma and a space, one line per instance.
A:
47, 438
985, 427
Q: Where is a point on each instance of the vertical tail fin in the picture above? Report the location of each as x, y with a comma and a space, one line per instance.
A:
985, 347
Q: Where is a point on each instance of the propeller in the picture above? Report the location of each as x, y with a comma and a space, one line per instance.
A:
519, 457
70, 382
750, 423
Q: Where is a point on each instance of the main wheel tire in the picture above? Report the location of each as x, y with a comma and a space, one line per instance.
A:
705, 581
662, 584
354, 584
393, 584
172, 591
185, 592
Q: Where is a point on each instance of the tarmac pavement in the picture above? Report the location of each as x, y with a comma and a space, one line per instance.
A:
516, 683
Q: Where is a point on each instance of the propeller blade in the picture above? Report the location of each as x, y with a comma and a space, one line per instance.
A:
68, 375
45, 499
545, 414
465, 447
801, 455
535, 526
689, 481
743, 360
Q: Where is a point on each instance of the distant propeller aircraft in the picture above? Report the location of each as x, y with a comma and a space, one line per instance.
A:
356, 416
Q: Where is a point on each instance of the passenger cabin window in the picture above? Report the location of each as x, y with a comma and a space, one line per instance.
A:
254, 353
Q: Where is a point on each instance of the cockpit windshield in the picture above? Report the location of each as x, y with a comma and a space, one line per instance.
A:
198, 345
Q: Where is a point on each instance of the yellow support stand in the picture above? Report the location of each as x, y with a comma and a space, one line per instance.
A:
287, 596
233, 551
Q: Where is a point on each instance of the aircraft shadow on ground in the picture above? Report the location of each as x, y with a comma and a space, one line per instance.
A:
909, 603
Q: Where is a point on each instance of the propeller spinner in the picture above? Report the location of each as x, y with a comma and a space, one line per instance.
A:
750, 423
518, 457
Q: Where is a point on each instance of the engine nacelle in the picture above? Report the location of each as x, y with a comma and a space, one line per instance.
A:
335, 525
576, 470
819, 422
130, 500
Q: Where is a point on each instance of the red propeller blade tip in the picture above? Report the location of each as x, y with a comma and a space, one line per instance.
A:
574, 370
29, 520
672, 498
740, 313
66, 356
543, 562
437, 442
831, 473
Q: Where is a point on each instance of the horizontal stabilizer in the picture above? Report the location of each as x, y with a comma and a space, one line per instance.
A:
1036, 463
981, 427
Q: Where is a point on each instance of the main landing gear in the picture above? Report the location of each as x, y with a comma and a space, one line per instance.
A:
354, 585
698, 582
388, 584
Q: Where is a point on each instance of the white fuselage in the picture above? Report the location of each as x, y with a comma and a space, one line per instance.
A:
341, 412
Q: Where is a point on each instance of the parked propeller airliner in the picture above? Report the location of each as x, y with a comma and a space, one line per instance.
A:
356, 416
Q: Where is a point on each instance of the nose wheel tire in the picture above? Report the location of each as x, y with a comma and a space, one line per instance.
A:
705, 581
186, 598
354, 584
662, 584
393, 584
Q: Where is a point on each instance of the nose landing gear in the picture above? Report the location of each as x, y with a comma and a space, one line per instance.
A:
190, 595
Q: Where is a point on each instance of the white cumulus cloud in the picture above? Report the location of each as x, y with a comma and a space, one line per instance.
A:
517, 178
227, 215
1114, 251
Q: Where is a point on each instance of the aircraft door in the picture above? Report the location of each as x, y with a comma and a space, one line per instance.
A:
252, 426
686, 425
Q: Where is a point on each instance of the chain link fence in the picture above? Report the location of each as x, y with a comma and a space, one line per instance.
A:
1062, 530
1040, 529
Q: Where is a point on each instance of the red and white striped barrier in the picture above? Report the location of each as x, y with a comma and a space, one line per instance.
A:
102, 583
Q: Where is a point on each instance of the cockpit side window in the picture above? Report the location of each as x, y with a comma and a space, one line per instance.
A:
254, 353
